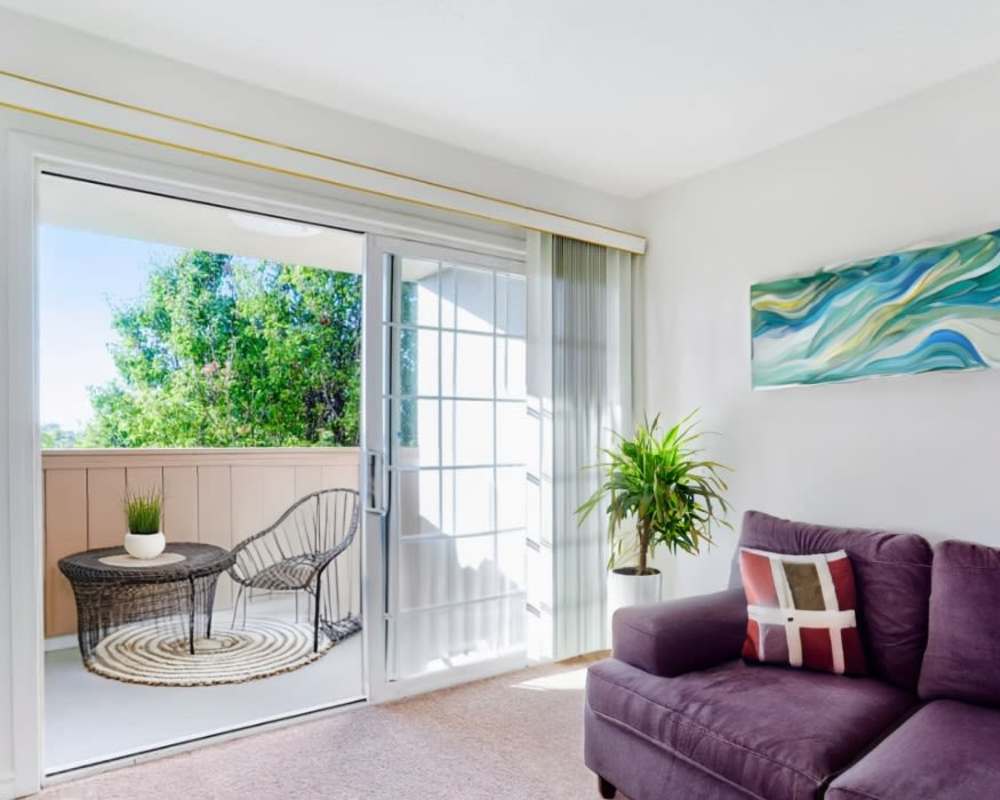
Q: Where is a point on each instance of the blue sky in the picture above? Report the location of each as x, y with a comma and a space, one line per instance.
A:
82, 275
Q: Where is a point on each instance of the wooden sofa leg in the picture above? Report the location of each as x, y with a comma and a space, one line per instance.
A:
606, 788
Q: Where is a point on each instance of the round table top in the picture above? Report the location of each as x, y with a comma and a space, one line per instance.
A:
198, 561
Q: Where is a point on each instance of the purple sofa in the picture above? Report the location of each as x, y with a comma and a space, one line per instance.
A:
676, 714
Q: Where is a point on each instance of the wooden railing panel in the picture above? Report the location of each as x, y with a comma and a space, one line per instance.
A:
343, 475
66, 533
105, 518
260, 496
214, 496
347, 568
308, 479
144, 479
215, 519
180, 504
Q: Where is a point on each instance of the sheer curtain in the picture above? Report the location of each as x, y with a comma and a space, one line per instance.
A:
580, 355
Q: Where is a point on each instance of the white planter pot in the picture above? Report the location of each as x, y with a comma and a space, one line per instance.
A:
632, 590
145, 545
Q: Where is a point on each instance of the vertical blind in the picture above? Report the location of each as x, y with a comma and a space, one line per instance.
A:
580, 368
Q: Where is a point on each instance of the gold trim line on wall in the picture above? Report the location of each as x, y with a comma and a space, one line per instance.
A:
292, 149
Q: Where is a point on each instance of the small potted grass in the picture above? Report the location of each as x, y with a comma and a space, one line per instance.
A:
142, 512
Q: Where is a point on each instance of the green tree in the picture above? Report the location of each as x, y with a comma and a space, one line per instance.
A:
229, 352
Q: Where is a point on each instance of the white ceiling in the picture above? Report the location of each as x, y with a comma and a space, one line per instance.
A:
164, 220
625, 96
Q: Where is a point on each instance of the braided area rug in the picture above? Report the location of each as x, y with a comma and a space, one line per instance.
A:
157, 656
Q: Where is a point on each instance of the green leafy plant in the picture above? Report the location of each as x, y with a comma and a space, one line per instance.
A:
660, 483
142, 510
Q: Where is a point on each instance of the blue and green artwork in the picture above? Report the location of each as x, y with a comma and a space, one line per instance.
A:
936, 308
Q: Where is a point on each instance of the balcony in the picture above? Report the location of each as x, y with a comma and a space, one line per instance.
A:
215, 496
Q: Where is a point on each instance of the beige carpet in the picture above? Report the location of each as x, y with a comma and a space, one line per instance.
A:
518, 736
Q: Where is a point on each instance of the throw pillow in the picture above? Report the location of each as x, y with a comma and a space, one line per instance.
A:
801, 611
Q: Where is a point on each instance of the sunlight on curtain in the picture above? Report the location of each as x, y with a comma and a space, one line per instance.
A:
580, 345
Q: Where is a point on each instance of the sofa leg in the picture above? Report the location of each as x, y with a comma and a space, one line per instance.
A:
606, 788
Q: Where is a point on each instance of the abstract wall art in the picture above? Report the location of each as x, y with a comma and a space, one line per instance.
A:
935, 308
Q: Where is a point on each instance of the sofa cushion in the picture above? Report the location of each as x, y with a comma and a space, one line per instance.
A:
946, 751
639, 768
892, 573
801, 611
778, 733
962, 661
681, 635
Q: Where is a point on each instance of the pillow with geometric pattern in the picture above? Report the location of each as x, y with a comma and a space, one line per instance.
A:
802, 611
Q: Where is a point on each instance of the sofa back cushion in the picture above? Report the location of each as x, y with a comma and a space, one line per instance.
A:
962, 661
892, 574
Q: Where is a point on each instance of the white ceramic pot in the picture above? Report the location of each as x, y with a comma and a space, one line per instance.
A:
145, 545
625, 589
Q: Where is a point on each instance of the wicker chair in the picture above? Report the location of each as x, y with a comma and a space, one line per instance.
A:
293, 554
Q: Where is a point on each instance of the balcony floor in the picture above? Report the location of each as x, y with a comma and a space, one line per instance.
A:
89, 719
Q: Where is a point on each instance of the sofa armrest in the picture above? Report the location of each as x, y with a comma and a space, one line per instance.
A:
681, 636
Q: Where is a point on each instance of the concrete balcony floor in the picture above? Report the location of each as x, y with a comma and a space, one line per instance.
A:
91, 719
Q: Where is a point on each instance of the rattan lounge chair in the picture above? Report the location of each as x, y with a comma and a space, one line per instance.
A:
293, 554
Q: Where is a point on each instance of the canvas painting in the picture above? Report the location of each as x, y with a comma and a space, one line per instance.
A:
935, 308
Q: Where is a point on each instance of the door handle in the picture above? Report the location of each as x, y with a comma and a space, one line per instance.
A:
376, 481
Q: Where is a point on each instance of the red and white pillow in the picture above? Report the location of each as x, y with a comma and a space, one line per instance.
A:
802, 611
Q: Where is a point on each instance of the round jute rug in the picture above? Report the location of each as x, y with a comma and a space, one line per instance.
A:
157, 656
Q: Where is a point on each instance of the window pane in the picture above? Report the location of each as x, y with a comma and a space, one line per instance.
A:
475, 567
440, 639
468, 500
408, 361
468, 365
512, 433
511, 300
422, 564
467, 298
511, 368
467, 435
420, 294
417, 437
419, 501
418, 361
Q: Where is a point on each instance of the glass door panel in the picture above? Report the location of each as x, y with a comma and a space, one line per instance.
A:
453, 406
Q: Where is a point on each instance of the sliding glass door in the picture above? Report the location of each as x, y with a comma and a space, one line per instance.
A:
446, 462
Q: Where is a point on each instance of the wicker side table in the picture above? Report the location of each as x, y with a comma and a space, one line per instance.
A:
113, 590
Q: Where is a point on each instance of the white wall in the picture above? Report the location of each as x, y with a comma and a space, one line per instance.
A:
918, 453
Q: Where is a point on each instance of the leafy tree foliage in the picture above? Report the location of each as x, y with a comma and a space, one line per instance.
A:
229, 352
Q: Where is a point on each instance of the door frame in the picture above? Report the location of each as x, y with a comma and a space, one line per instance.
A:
28, 154
375, 447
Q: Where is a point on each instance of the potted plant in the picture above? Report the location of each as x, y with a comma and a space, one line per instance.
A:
658, 491
142, 513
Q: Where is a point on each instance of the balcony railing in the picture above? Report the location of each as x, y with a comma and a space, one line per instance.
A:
216, 496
